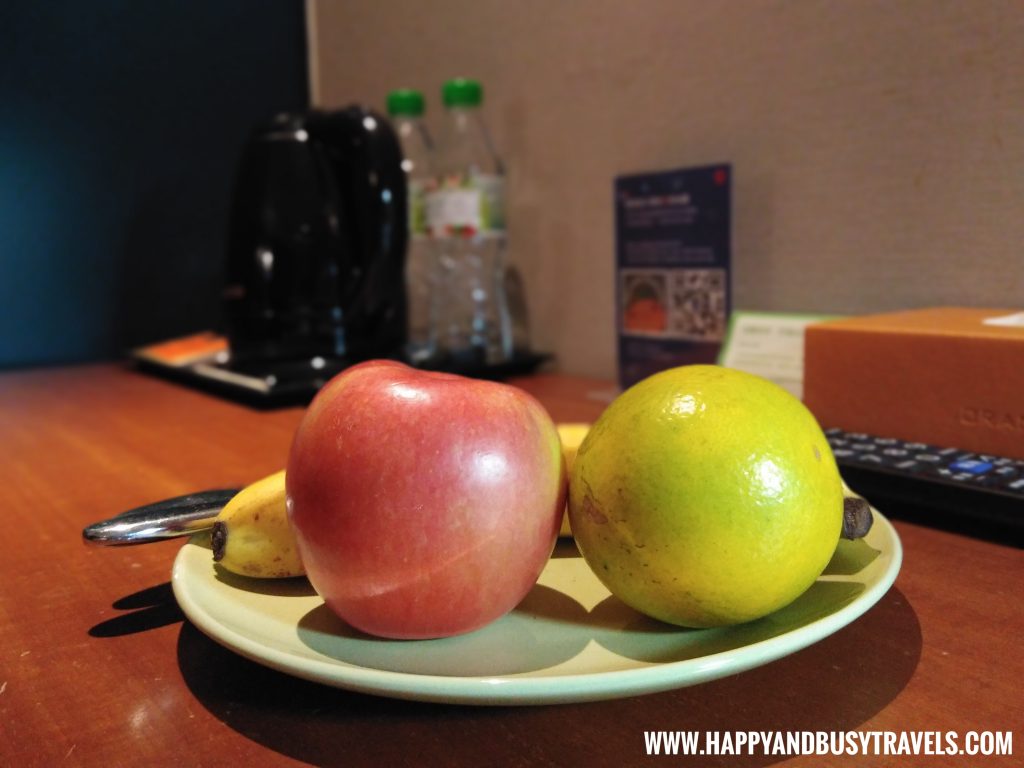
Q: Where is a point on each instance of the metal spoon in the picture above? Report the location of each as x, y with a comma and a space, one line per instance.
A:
195, 512
180, 516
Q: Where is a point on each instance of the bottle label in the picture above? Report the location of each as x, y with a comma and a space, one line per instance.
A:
419, 189
467, 206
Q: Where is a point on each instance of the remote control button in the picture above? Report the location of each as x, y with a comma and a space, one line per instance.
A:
916, 446
886, 440
869, 458
842, 453
908, 465
948, 451
931, 458
837, 442
858, 436
863, 446
1016, 485
894, 452
974, 466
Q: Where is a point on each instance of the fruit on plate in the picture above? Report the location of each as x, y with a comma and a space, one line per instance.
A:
251, 536
857, 516
705, 496
424, 504
571, 434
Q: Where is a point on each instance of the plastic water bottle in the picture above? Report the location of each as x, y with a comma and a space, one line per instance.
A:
466, 217
405, 107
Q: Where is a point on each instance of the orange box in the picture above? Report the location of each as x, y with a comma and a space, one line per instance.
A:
948, 376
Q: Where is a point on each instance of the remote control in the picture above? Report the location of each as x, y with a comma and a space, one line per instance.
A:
962, 486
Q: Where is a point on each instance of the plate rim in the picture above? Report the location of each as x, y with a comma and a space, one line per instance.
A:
529, 689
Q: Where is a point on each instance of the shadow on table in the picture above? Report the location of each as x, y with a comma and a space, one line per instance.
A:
834, 685
146, 609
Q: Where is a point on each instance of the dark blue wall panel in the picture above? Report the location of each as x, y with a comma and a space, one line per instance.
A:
120, 126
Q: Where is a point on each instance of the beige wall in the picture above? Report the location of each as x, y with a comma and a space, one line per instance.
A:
878, 147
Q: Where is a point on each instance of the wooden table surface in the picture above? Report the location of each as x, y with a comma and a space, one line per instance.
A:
99, 667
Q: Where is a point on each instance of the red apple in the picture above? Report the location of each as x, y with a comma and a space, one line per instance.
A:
424, 504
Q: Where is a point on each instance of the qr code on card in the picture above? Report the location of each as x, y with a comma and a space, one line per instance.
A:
698, 304
675, 304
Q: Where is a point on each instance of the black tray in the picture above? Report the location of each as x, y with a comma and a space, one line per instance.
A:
290, 384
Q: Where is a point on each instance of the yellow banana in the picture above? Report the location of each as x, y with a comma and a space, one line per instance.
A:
571, 436
252, 537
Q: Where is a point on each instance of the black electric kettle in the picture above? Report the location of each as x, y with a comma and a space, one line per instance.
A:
316, 244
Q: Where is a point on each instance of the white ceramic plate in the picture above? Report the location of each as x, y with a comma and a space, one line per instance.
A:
569, 640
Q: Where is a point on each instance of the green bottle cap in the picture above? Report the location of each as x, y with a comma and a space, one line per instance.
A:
405, 101
462, 92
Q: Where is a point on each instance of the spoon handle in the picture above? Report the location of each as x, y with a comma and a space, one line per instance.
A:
180, 516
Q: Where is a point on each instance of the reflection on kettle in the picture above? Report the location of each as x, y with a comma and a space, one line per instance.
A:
316, 244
